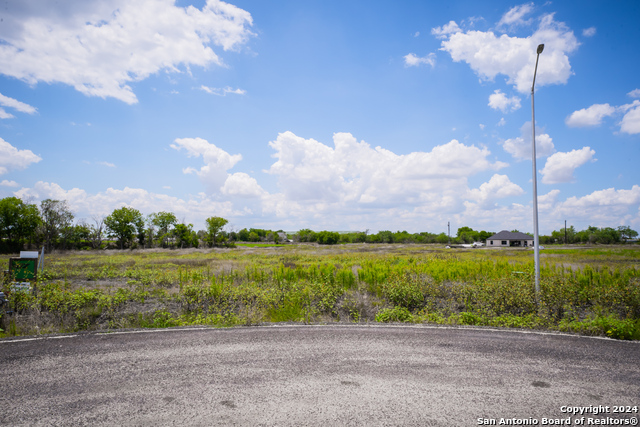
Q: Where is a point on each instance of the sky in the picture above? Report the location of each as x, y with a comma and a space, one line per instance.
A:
325, 114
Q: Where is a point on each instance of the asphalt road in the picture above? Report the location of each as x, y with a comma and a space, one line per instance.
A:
317, 376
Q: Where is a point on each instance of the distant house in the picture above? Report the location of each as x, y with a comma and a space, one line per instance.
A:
283, 237
507, 238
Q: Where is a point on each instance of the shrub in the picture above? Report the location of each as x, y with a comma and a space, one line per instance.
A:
627, 329
466, 318
395, 314
403, 291
328, 237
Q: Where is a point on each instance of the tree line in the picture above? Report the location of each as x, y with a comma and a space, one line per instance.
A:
605, 235
53, 225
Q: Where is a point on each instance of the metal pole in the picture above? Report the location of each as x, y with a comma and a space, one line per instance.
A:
536, 244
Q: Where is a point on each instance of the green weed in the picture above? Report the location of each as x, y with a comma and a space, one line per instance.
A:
395, 314
588, 291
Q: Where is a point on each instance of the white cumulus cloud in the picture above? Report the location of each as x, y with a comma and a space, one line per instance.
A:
351, 185
498, 187
411, 60
489, 55
354, 173
7, 183
515, 14
631, 120
13, 159
591, 116
520, 147
499, 101
214, 173
589, 32
560, 167
100, 47
446, 30
243, 185
603, 208
608, 197
83, 204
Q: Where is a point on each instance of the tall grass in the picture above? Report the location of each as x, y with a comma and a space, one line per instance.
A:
584, 291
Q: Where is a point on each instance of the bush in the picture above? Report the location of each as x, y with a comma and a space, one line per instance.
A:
395, 314
627, 329
403, 291
328, 237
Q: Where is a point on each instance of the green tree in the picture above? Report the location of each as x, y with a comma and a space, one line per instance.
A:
77, 236
585, 236
347, 237
214, 226
467, 235
18, 223
260, 232
123, 224
557, 236
463, 230
149, 233
56, 217
385, 236
484, 235
185, 236
272, 236
306, 235
627, 233
426, 237
243, 235
328, 237
164, 221
403, 237
360, 237
607, 235
373, 238
442, 238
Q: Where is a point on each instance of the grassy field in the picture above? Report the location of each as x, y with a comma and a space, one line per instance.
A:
587, 290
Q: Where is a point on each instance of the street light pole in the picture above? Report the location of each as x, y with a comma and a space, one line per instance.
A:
536, 244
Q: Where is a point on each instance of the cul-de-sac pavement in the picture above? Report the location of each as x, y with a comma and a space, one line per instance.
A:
318, 375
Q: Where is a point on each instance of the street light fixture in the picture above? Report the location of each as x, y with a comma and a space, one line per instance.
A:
536, 243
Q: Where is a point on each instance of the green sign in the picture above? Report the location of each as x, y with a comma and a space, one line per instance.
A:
23, 268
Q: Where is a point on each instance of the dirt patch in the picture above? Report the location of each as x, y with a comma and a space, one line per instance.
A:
102, 284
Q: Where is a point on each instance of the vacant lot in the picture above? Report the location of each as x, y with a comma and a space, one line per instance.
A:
588, 290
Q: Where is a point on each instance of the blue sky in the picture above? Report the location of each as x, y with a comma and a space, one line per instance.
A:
324, 114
